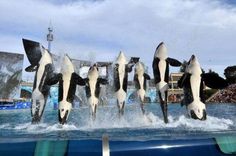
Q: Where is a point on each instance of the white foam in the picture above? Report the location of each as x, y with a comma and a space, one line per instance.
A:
137, 120
22, 126
44, 127
132, 120
211, 124
4, 126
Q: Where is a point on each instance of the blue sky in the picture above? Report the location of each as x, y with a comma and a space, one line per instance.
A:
99, 29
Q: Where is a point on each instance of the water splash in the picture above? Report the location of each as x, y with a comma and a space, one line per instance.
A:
44, 128
4, 126
133, 123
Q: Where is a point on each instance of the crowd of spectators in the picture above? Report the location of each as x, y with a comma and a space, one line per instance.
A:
227, 95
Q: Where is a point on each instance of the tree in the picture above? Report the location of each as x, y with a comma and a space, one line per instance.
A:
230, 74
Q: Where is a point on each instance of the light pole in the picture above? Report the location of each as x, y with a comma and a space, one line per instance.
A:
50, 37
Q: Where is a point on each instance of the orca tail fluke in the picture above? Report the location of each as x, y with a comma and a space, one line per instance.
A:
33, 51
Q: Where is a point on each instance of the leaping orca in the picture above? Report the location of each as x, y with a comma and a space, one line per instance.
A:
121, 70
67, 87
140, 78
41, 63
92, 88
160, 67
192, 82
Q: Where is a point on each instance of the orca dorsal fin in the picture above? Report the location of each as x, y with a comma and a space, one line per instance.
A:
79, 80
54, 78
214, 81
146, 76
174, 62
102, 81
31, 68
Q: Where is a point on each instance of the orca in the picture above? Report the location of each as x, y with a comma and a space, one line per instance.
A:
44, 78
92, 88
192, 82
67, 87
140, 78
121, 70
41, 63
160, 67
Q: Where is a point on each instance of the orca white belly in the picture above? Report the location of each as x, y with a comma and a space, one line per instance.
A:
141, 92
37, 97
121, 94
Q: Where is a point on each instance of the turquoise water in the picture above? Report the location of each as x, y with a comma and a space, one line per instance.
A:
15, 125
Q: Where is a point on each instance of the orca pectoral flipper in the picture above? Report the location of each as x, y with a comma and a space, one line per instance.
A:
202, 94
214, 81
86, 80
128, 67
53, 78
174, 62
116, 78
79, 80
184, 80
31, 68
156, 71
146, 76
102, 81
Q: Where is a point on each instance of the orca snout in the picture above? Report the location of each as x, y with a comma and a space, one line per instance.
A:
195, 115
134, 60
193, 58
63, 119
94, 67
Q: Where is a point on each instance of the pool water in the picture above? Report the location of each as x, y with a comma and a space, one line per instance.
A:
15, 125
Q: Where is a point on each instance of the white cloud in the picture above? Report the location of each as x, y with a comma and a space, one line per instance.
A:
206, 28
